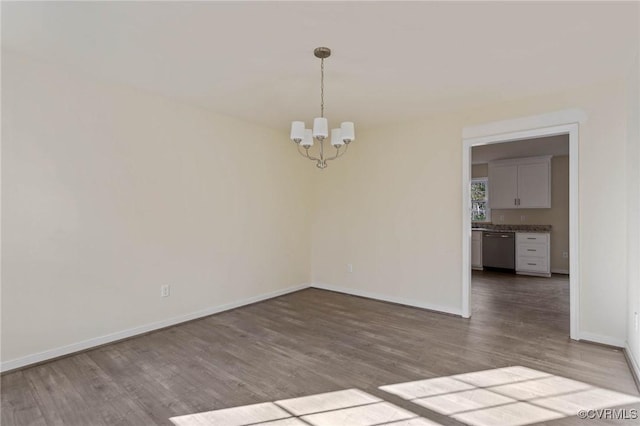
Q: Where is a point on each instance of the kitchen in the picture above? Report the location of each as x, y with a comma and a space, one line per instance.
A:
520, 221
521, 188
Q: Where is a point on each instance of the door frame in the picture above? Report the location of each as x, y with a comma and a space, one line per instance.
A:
566, 122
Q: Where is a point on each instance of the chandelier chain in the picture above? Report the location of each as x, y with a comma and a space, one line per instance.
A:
322, 87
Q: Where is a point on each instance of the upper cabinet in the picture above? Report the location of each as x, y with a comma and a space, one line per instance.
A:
520, 183
503, 184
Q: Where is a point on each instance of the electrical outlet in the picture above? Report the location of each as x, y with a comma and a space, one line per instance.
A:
523, 218
501, 218
565, 254
164, 290
349, 267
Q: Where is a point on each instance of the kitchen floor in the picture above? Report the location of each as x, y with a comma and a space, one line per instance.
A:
539, 305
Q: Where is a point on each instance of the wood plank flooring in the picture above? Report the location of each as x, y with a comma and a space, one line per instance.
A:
310, 342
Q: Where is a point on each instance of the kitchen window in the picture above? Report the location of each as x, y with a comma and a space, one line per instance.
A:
480, 211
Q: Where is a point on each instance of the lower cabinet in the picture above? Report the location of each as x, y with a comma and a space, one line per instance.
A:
533, 252
476, 250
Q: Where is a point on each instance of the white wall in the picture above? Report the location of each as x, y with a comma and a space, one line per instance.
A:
388, 209
393, 208
109, 192
633, 212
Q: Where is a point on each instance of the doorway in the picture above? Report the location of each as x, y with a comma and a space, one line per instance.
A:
535, 127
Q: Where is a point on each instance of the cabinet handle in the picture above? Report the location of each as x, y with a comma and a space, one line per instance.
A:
531, 249
532, 264
531, 238
515, 201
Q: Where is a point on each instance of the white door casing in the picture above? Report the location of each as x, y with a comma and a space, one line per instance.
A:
554, 123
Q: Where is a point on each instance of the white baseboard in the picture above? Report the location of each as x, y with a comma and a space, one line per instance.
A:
97, 341
385, 298
598, 338
560, 271
634, 363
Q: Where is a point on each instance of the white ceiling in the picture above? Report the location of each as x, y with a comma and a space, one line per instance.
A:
391, 61
551, 145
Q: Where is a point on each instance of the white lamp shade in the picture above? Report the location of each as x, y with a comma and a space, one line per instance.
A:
336, 138
297, 130
307, 141
348, 132
320, 128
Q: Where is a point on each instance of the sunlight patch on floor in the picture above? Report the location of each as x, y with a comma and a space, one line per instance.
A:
510, 396
236, 416
350, 407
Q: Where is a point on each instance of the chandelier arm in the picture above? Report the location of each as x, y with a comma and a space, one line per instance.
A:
338, 153
335, 156
302, 153
306, 154
346, 147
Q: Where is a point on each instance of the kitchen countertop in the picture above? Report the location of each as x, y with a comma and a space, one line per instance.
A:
510, 228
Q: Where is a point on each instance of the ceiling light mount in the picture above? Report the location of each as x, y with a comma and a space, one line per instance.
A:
304, 137
322, 52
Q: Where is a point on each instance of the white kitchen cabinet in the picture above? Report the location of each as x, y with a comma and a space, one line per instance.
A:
476, 250
503, 186
533, 253
520, 183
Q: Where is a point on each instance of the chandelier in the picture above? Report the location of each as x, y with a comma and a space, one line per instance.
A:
303, 137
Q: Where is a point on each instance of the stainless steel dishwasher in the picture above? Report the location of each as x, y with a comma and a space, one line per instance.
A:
499, 250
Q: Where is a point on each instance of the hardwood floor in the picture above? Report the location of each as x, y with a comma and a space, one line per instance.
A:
310, 342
